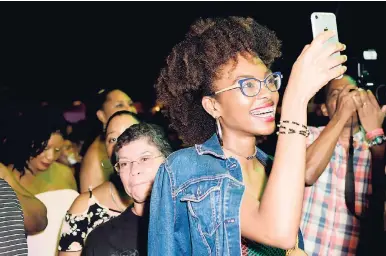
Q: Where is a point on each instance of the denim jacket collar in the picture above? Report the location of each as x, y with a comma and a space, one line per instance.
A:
213, 147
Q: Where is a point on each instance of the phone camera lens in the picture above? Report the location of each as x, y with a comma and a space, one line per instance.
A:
316, 17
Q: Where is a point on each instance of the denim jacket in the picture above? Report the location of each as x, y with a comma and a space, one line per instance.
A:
195, 203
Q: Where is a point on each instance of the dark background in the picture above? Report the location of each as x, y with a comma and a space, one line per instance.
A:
63, 51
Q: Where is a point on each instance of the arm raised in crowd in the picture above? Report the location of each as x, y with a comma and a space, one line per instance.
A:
372, 116
320, 151
278, 226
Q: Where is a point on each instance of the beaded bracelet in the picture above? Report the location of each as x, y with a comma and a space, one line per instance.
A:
377, 141
305, 132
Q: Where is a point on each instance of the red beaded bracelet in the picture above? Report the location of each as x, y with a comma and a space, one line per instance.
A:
375, 133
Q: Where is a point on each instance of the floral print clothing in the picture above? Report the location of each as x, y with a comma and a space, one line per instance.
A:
76, 227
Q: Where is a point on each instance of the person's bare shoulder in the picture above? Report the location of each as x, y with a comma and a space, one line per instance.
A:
92, 154
101, 189
91, 171
3, 171
80, 204
95, 147
102, 193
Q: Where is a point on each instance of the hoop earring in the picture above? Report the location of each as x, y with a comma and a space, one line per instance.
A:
218, 130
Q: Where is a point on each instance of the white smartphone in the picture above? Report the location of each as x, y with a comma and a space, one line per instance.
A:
323, 21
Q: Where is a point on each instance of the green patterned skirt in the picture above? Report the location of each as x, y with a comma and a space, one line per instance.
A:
250, 248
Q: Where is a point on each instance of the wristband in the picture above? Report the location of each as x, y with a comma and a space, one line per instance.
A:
379, 140
375, 133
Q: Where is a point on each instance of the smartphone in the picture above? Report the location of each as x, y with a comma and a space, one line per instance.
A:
323, 21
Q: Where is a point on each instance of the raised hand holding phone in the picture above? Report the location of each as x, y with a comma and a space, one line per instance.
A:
325, 21
316, 66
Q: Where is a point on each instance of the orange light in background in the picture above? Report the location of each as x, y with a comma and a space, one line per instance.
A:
77, 103
155, 109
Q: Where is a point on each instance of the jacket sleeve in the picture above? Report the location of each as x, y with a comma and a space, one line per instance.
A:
162, 216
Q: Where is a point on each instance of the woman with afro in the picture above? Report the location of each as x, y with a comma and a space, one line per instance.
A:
223, 195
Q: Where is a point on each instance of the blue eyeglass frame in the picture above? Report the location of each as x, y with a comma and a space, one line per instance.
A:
240, 82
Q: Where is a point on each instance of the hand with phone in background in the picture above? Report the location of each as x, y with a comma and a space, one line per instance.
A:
325, 21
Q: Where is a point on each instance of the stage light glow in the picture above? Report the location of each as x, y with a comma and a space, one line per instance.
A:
370, 54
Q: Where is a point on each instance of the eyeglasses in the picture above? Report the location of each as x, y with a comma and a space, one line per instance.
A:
123, 166
250, 86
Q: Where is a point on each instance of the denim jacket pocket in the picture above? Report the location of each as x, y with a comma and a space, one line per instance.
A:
204, 205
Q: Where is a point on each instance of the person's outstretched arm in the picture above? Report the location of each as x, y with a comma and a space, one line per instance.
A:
276, 219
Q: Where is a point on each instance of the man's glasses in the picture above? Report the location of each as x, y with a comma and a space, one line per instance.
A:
123, 166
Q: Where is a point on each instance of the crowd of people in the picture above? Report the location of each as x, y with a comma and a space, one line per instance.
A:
225, 189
